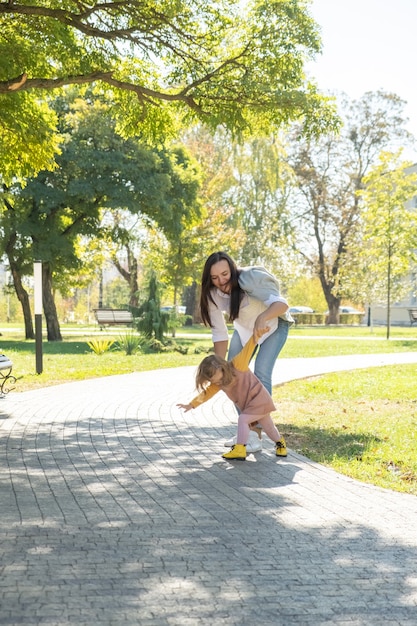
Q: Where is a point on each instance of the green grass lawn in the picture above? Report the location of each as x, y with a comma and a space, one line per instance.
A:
72, 359
361, 423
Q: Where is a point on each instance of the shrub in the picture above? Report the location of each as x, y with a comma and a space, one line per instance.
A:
152, 322
130, 343
100, 346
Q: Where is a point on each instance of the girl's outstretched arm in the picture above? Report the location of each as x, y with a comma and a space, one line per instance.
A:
201, 398
186, 407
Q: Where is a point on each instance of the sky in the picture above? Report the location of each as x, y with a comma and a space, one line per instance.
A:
369, 45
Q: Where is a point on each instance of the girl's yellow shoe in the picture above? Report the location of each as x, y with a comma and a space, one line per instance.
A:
238, 452
281, 447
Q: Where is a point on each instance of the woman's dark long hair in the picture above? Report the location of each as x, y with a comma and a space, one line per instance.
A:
236, 292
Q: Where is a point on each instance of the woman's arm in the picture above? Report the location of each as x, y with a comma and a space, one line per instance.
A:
220, 348
276, 309
219, 332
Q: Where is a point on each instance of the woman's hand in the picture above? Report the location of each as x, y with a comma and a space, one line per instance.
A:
260, 327
186, 407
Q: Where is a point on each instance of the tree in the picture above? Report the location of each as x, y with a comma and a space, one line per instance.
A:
178, 259
152, 321
29, 141
217, 229
123, 240
329, 173
159, 66
97, 170
185, 211
258, 196
306, 291
389, 226
16, 249
243, 199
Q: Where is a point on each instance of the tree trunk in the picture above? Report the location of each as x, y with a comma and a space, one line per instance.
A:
23, 298
333, 304
191, 302
332, 301
51, 316
130, 275
333, 316
133, 281
21, 292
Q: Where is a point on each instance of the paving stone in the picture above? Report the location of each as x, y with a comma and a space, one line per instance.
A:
118, 510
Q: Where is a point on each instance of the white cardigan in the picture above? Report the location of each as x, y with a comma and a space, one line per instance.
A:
261, 290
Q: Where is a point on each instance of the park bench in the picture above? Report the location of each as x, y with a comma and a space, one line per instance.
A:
6, 377
113, 317
413, 316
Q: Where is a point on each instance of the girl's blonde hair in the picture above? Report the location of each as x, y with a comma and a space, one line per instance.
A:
208, 367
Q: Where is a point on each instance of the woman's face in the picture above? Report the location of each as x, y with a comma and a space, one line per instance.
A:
220, 276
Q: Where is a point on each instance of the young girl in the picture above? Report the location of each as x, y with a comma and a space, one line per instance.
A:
245, 390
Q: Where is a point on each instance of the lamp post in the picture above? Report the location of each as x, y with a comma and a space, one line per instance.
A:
37, 274
8, 296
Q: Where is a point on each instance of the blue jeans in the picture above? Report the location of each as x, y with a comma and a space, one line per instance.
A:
266, 354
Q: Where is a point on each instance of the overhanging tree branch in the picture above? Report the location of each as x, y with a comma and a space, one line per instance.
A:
13, 84
207, 61
144, 93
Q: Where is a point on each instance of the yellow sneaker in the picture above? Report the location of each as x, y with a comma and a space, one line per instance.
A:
238, 453
281, 447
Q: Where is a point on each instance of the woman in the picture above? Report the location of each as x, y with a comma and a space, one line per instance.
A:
251, 298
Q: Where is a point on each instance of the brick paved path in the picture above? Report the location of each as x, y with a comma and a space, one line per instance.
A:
117, 509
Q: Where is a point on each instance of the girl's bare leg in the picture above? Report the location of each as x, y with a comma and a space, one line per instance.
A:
269, 428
